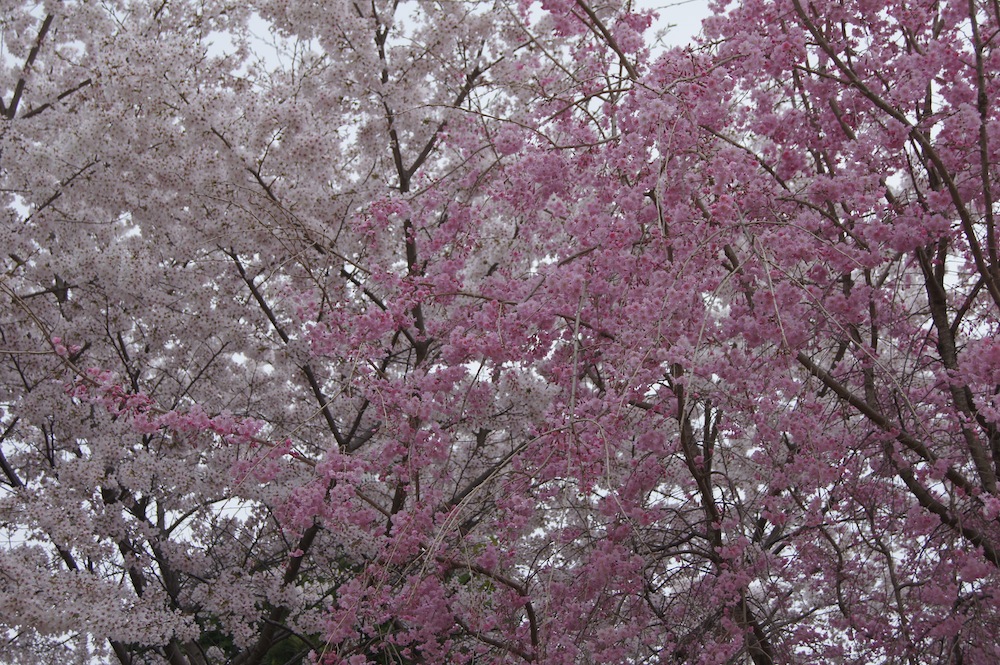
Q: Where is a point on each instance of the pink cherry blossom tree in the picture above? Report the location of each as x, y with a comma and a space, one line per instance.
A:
862, 268
477, 332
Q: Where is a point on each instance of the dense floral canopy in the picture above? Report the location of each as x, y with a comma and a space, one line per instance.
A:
489, 332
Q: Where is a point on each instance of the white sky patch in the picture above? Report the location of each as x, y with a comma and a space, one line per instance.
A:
678, 23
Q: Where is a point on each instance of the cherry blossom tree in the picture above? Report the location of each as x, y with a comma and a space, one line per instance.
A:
862, 267
479, 332
247, 388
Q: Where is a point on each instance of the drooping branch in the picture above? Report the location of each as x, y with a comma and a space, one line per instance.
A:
923, 140
882, 422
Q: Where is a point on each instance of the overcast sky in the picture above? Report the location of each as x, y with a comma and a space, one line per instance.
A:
683, 15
